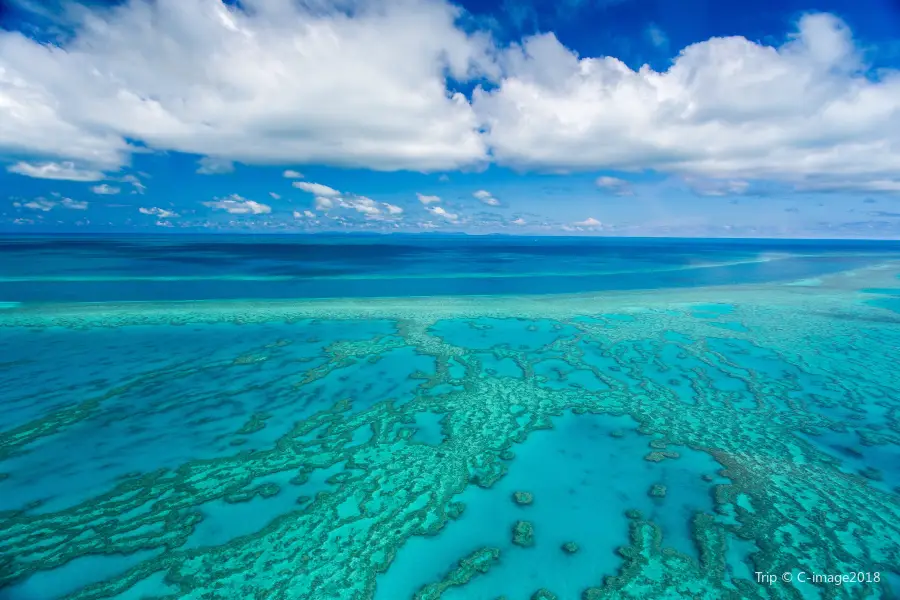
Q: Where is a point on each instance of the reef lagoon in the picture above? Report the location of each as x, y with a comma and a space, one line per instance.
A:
415, 417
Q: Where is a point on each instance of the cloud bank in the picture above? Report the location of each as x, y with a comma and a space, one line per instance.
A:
287, 83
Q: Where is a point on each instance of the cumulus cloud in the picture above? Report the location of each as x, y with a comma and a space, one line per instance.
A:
66, 171
73, 204
851, 185
717, 187
727, 108
519, 221
328, 198
139, 188
211, 165
439, 211
589, 222
238, 205
162, 213
486, 197
291, 174
45, 205
275, 196
306, 213
425, 199
279, 82
41, 204
106, 190
361, 204
614, 185
316, 188
299, 82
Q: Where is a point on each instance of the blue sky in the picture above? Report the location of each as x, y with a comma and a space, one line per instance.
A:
598, 117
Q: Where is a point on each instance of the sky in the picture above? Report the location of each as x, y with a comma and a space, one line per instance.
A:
678, 118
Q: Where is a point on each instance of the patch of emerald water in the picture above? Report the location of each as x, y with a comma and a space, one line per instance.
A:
557, 374
879, 463
228, 388
711, 310
665, 363
607, 358
824, 392
57, 367
372, 379
494, 366
731, 326
57, 583
225, 521
154, 586
487, 333
428, 428
892, 302
717, 311
583, 475
737, 558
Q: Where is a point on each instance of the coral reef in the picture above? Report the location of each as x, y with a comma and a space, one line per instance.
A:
657, 491
341, 471
570, 547
523, 534
523, 498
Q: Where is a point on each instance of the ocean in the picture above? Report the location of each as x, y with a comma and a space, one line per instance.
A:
448, 417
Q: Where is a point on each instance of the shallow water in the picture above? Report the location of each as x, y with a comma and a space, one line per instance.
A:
683, 438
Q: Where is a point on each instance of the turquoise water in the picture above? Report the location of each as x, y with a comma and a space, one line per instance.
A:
662, 442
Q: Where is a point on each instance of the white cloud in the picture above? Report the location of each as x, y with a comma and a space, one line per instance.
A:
717, 187
73, 204
519, 221
439, 211
40, 204
306, 213
281, 82
656, 36
589, 222
425, 199
162, 213
328, 198
211, 165
44, 205
617, 186
486, 197
275, 196
292, 83
291, 174
324, 203
238, 205
870, 185
360, 204
105, 190
64, 171
139, 188
727, 108
316, 188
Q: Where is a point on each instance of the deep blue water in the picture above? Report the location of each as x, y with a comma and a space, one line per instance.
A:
177, 267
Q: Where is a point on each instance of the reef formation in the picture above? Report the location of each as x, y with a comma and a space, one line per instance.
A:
320, 440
